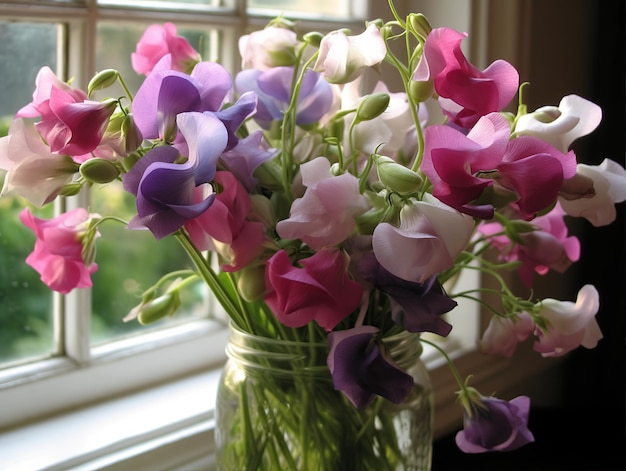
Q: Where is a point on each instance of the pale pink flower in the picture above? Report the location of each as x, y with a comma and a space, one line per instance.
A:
609, 184
343, 58
158, 41
560, 126
270, 47
423, 244
58, 252
33, 171
325, 214
504, 333
569, 325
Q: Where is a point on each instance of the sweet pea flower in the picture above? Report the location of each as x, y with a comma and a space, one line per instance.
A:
504, 333
492, 424
325, 214
609, 185
362, 368
415, 306
343, 58
166, 92
32, 170
164, 188
273, 89
465, 92
560, 126
158, 41
58, 251
243, 159
273, 46
224, 227
569, 325
423, 244
320, 290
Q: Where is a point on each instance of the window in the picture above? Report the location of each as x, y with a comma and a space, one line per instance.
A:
87, 354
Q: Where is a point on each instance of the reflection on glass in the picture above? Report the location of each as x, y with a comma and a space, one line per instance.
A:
26, 320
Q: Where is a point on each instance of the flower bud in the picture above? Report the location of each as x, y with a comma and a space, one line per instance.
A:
98, 170
70, 189
372, 106
269, 176
102, 80
397, 177
313, 38
261, 210
421, 90
420, 24
163, 306
131, 134
251, 283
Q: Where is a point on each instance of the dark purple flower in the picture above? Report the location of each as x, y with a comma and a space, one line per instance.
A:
361, 367
414, 306
273, 88
164, 188
243, 159
165, 93
492, 424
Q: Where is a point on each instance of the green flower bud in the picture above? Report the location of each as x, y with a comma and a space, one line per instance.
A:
421, 91
372, 106
280, 205
71, 189
396, 177
163, 306
102, 80
420, 24
313, 38
251, 283
98, 170
269, 176
261, 210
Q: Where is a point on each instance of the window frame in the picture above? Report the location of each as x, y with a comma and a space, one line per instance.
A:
68, 387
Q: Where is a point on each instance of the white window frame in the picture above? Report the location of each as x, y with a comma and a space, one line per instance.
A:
149, 404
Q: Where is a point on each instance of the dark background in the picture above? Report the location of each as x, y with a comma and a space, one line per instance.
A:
586, 430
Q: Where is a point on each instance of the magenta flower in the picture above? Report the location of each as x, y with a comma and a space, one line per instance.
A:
224, 227
321, 290
465, 92
415, 306
492, 424
273, 88
362, 369
325, 213
166, 92
164, 188
158, 41
569, 325
57, 254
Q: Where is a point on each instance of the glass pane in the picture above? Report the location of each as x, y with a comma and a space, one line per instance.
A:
162, 4
26, 321
130, 261
336, 8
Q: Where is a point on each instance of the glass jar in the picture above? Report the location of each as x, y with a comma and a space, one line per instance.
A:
277, 410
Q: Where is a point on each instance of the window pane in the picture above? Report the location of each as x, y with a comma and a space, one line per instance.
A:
26, 320
336, 8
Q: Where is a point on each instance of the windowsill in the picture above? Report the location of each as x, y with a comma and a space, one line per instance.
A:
170, 427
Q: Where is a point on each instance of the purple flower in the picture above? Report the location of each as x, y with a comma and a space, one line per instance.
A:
415, 306
361, 367
492, 424
164, 189
273, 88
243, 159
165, 93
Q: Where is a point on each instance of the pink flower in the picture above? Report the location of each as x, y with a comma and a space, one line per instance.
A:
224, 227
156, 42
609, 185
569, 325
342, 58
33, 172
270, 47
325, 214
504, 333
575, 117
58, 252
423, 244
321, 290
465, 92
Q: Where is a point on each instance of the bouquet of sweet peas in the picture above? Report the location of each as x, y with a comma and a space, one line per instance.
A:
321, 193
